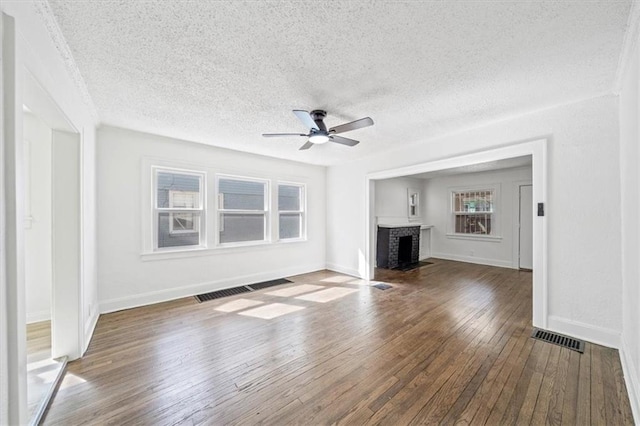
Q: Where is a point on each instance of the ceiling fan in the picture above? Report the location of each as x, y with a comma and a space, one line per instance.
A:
318, 133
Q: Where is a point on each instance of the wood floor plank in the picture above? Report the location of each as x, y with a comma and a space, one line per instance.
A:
447, 344
570, 404
598, 402
583, 413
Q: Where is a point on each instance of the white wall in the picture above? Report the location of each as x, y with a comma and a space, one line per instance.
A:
392, 204
128, 278
584, 275
497, 252
630, 189
37, 138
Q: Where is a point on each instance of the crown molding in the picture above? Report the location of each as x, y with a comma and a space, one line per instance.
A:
630, 42
43, 9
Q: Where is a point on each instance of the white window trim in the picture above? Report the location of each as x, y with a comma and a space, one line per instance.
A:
302, 211
202, 211
496, 235
219, 211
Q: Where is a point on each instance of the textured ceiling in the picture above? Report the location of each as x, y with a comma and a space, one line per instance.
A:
222, 73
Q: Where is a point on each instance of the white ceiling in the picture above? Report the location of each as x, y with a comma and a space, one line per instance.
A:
222, 73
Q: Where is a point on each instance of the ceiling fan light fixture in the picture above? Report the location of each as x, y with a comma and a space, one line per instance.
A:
319, 138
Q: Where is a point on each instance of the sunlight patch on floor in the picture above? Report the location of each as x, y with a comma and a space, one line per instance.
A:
271, 310
294, 291
359, 282
237, 305
327, 295
337, 279
39, 364
71, 380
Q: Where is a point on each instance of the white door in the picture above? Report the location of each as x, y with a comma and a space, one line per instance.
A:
526, 227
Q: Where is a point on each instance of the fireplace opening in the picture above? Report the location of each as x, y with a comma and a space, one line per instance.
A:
405, 246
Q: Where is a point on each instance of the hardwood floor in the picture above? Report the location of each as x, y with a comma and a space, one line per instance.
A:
448, 344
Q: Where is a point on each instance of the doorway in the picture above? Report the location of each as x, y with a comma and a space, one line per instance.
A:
51, 173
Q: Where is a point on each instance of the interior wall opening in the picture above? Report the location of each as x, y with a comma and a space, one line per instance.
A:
493, 196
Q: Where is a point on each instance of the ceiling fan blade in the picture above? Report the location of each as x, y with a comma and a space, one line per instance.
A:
277, 135
306, 119
307, 145
343, 141
347, 127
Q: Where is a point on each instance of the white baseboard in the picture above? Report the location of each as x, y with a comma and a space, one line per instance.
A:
591, 333
473, 259
38, 316
631, 379
343, 270
134, 301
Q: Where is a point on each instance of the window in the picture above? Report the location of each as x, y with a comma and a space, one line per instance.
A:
290, 211
242, 208
179, 208
473, 211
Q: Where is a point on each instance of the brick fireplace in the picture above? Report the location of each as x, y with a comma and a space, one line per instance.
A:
397, 246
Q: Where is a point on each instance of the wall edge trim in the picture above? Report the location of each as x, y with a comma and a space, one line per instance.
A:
631, 379
39, 316
150, 298
591, 333
334, 267
475, 260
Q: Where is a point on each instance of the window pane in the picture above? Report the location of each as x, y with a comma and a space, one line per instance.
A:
181, 190
178, 229
241, 194
288, 198
241, 227
473, 224
184, 222
290, 225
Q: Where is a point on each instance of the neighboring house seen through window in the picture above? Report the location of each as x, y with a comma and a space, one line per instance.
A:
473, 211
290, 211
179, 208
243, 209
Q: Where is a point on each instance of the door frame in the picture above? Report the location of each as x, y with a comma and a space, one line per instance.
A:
20, 83
519, 185
537, 148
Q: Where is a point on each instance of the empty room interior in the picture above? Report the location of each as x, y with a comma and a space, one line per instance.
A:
326, 212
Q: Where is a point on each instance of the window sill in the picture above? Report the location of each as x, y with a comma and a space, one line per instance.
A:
209, 251
488, 238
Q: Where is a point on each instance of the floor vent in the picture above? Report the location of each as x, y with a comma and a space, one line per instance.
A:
222, 293
239, 290
267, 284
382, 286
558, 339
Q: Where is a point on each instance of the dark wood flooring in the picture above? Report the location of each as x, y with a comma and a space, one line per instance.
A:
448, 344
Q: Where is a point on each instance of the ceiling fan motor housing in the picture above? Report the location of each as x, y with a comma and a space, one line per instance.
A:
318, 116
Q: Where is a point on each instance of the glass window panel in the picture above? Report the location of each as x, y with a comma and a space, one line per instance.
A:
288, 198
184, 222
236, 227
290, 225
167, 237
242, 194
179, 187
